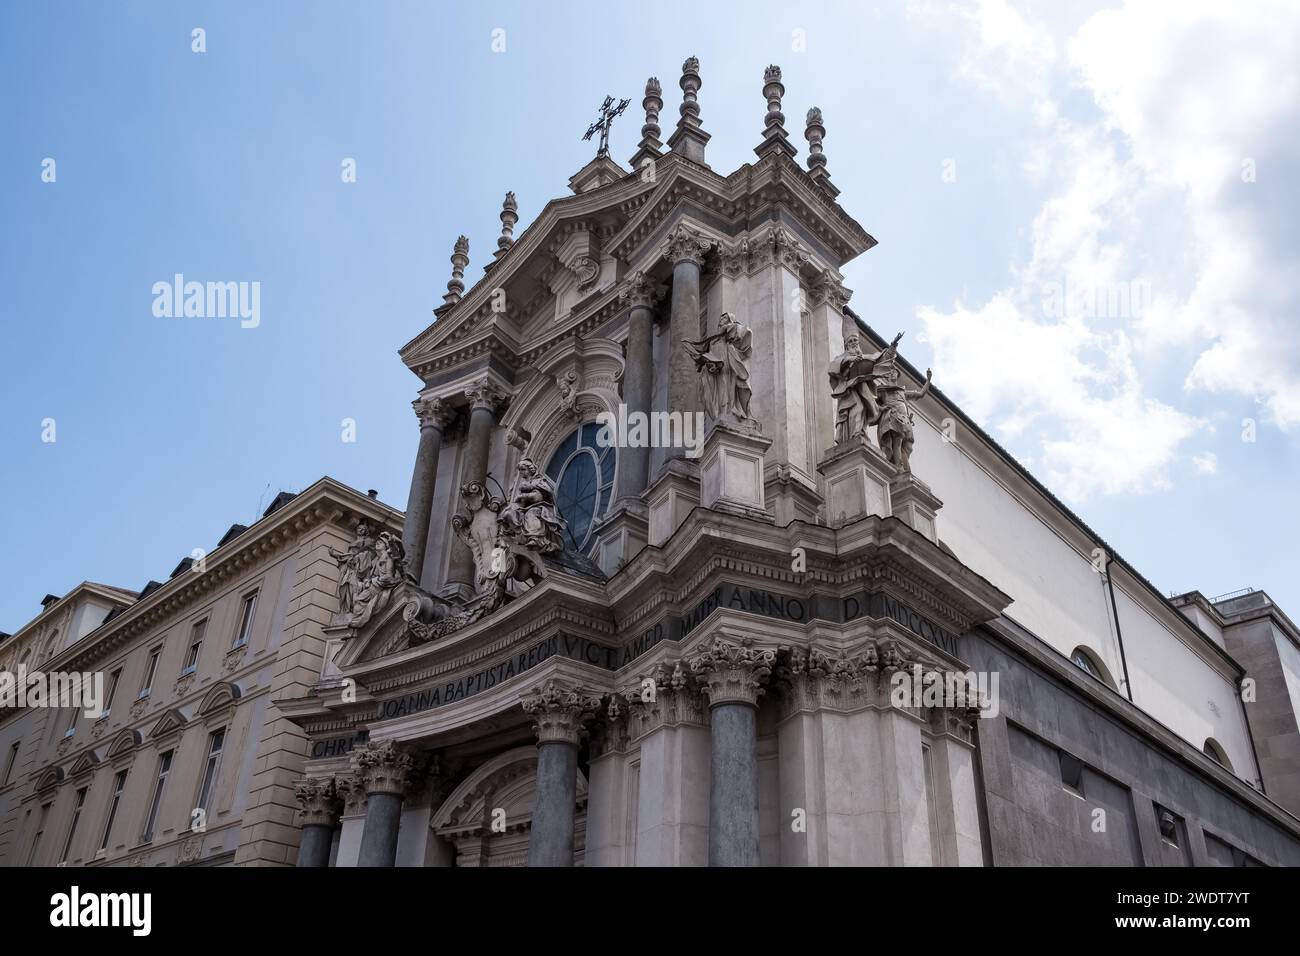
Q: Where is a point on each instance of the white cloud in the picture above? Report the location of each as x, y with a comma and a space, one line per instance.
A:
1150, 199
1206, 464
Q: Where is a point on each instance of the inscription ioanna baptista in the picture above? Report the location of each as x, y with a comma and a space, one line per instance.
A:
458, 688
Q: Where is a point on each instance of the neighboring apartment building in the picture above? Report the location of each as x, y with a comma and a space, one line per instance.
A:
190, 763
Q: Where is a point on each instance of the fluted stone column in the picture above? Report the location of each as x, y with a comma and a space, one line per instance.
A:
434, 415
384, 770
686, 250
638, 381
321, 805
732, 676
558, 716
485, 401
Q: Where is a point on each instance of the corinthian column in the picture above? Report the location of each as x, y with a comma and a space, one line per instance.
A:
638, 381
485, 401
732, 676
558, 716
321, 804
686, 250
383, 770
434, 415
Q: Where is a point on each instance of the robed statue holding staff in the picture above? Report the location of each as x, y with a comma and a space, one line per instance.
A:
853, 385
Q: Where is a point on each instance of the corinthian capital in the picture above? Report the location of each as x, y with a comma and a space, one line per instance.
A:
383, 768
319, 801
733, 673
686, 245
485, 394
638, 291
559, 712
433, 413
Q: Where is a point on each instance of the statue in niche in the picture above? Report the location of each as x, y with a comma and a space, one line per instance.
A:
722, 360
894, 427
853, 385
531, 519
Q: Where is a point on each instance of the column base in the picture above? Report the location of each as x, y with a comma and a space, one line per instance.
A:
670, 498
914, 502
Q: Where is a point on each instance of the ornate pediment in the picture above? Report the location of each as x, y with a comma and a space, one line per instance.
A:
171, 722
124, 743
223, 695
51, 777
84, 764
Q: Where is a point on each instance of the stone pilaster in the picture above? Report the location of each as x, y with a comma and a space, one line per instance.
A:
638, 380
733, 675
558, 714
434, 416
321, 804
384, 770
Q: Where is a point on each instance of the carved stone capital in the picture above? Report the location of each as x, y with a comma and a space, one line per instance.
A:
485, 394
433, 413
828, 290
686, 245
383, 768
638, 291
664, 698
559, 713
351, 789
733, 673
319, 801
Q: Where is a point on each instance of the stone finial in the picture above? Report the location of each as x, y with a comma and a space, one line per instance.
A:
650, 147
775, 138
690, 139
815, 132
509, 216
459, 260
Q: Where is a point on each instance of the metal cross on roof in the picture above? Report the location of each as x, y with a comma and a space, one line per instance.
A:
607, 113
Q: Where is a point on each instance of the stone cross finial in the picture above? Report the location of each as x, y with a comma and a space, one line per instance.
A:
459, 260
690, 139
814, 133
775, 139
509, 216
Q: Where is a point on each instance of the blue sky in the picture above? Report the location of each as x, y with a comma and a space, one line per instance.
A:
994, 150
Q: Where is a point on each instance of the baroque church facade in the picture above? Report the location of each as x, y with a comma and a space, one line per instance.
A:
607, 639
695, 569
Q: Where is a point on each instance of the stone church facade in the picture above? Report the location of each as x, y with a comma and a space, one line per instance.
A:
614, 647
696, 569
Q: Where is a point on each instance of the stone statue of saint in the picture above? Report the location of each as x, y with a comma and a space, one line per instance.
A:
369, 570
531, 519
723, 363
355, 566
853, 385
894, 428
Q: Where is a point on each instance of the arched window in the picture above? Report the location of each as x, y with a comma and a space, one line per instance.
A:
1216, 753
583, 473
1090, 664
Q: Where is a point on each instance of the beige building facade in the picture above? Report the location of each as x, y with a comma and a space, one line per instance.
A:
190, 763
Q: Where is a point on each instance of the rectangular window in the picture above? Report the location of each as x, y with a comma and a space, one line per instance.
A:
119, 784
151, 821
72, 724
196, 644
245, 621
72, 827
150, 671
11, 762
113, 680
40, 832
216, 741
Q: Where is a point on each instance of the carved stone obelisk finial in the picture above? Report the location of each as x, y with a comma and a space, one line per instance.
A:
650, 148
814, 133
459, 260
689, 139
775, 138
509, 216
